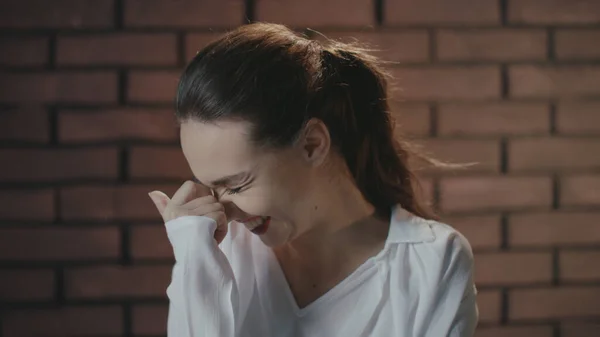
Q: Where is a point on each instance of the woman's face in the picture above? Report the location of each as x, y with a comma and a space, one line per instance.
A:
251, 182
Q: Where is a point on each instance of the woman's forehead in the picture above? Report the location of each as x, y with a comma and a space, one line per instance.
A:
215, 150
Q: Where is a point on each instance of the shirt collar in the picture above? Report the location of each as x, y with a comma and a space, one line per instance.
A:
406, 227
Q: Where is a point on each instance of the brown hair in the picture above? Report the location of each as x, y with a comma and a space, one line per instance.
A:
277, 80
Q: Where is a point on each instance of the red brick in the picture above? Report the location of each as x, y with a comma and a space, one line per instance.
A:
56, 14
26, 285
482, 231
25, 124
580, 190
194, 42
489, 305
111, 202
495, 193
395, 46
158, 162
559, 81
27, 204
117, 282
579, 329
554, 11
316, 13
401, 12
550, 303
59, 243
516, 331
152, 86
117, 125
512, 268
554, 228
58, 164
150, 242
411, 119
491, 45
24, 51
150, 320
71, 321
184, 13
118, 49
68, 87
576, 265
553, 154
448, 83
577, 44
493, 119
483, 154
578, 118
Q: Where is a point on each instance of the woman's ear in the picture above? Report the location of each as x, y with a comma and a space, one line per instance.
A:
315, 142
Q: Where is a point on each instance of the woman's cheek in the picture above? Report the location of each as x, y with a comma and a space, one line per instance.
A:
253, 204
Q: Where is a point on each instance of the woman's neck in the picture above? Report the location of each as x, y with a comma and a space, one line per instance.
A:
344, 231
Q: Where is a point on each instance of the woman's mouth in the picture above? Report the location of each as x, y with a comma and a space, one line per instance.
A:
258, 225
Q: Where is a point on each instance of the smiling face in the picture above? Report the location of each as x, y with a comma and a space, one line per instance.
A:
250, 181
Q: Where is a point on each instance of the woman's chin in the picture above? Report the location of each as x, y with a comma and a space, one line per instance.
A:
276, 234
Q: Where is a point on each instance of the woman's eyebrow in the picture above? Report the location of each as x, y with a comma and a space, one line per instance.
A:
230, 180
227, 180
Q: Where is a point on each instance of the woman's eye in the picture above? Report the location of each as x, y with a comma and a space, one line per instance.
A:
233, 190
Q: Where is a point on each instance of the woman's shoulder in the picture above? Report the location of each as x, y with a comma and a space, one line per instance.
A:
432, 276
406, 227
430, 241
448, 236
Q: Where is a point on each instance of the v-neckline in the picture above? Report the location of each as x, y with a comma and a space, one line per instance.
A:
354, 277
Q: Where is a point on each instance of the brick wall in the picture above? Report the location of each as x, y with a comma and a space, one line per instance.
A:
86, 88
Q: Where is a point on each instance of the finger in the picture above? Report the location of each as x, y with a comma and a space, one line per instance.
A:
202, 209
209, 199
185, 193
218, 216
202, 191
221, 220
160, 200
220, 234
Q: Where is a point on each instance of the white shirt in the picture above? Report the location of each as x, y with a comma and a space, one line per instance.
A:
420, 284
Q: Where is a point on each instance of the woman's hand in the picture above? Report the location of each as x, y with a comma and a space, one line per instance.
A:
191, 199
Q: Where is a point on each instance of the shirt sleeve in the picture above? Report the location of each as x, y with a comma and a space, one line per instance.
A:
202, 293
454, 311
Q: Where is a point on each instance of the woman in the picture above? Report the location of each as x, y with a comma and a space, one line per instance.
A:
292, 143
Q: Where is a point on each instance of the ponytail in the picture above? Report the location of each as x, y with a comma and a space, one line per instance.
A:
352, 99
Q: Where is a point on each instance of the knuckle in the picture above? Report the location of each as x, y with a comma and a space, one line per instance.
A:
203, 190
209, 199
215, 210
215, 216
